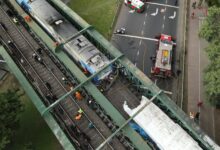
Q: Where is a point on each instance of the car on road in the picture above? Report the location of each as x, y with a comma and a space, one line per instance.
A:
120, 31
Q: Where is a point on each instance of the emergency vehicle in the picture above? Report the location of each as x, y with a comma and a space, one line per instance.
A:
163, 60
137, 5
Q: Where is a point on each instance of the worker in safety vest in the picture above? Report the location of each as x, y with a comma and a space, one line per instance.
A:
78, 96
79, 114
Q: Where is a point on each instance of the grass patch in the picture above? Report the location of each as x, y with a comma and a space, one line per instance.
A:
33, 129
99, 13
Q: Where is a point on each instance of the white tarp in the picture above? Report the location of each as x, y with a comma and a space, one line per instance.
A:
163, 131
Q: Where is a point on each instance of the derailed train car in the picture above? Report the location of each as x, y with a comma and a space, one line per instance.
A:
79, 48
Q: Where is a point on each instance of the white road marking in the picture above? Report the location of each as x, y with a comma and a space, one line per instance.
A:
166, 1
154, 14
162, 4
213, 122
142, 32
199, 66
164, 17
137, 37
144, 22
163, 26
138, 53
155, 82
135, 64
145, 15
174, 15
148, 6
140, 42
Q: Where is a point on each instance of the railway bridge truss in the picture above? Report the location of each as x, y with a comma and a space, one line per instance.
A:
42, 67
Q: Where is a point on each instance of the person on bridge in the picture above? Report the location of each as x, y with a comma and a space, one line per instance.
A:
35, 56
91, 125
80, 111
79, 114
65, 80
78, 96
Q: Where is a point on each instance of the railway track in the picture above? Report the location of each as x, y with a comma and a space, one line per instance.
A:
120, 89
46, 76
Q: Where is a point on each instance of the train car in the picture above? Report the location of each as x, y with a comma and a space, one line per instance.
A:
166, 134
79, 48
163, 60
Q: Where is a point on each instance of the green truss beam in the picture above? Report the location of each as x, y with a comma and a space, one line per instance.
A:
78, 86
127, 121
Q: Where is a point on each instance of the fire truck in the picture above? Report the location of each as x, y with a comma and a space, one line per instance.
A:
137, 5
163, 59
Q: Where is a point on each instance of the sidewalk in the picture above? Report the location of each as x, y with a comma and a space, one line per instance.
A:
197, 62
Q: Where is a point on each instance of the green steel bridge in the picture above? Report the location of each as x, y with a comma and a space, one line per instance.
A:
142, 84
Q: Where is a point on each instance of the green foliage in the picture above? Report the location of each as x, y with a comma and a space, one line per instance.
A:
213, 50
212, 82
213, 2
211, 27
211, 32
10, 107
99, 13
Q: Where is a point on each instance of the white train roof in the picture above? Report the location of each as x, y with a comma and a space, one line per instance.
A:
163, 131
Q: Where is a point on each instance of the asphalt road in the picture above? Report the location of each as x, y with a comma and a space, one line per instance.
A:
160, 16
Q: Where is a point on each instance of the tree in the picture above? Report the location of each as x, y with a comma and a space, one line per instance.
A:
213, 50
211, 32
212, 82
211, 27
213, 2
10, 107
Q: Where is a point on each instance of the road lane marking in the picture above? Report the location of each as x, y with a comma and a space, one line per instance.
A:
199, 65
155, 81
164, 18
140, 42
142, 32
144, 22
174, 15
162, 4
154, 14
145, 15
144, 58
138, 53
163, 26
213, 122
148, 6
137, 37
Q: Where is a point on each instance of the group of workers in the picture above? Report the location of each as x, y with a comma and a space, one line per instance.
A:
37, 58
